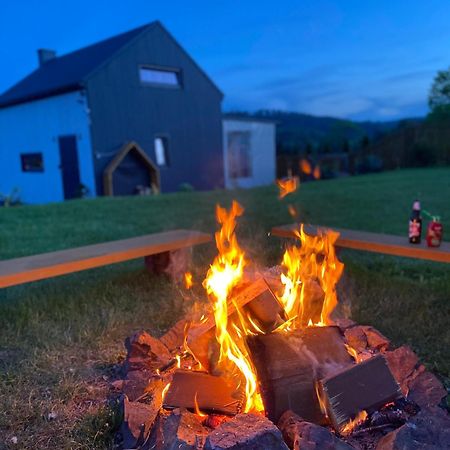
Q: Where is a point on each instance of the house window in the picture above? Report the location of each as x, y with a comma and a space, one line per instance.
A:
32, 162
160, 77
239, 155
162, 151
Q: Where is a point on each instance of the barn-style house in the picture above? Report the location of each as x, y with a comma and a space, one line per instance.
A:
131, 114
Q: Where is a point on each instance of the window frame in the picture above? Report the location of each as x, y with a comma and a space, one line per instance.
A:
166, 146
23, 165
176, 70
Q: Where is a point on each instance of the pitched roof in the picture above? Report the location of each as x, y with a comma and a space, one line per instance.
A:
67, 73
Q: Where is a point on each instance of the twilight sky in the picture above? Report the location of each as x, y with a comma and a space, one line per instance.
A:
358, 59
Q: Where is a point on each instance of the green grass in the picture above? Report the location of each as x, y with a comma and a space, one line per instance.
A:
62, 339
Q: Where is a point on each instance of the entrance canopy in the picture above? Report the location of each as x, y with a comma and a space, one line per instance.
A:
130, 172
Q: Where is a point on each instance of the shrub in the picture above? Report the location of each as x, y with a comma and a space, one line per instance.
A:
423, 155
11, 199
369, 163
186, 187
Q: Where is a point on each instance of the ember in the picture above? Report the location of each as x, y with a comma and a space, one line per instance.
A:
265, 352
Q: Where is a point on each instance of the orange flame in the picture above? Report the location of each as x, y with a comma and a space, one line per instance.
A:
317, 173
293, 211
305, 167
197, 409
188, 280
287, 186
164, 391
352, 352
311, 272
352, 424
223, 275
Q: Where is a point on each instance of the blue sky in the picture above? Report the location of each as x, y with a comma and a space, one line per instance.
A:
358, 59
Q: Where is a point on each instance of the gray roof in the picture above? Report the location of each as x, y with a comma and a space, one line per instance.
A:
68, 72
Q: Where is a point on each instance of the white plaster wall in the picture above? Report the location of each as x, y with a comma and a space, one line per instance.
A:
262, 150
35, 127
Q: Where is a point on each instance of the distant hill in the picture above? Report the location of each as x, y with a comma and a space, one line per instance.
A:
297, 132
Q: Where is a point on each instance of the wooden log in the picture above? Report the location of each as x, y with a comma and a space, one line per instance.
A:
257, 299
364, 386
289, 364
212, 394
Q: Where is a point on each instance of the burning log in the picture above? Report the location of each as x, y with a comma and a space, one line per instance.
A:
200, 391
361, 387
289, 364
256, 298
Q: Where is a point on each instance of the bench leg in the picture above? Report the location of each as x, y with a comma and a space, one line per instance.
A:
174, 263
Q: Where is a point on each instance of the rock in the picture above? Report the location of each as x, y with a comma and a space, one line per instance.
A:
429, 430
145, 352
302, 435
356, 338
426, 390
246, 432
140, 384
361, 337
177, 430
138, 419
135, 384
375, 339
344, 323
402, 362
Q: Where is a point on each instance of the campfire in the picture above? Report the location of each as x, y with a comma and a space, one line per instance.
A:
265, 366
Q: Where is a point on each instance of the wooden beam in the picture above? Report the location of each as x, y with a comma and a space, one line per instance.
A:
374, 242
289, 364
364, 386
47, 265
212, 394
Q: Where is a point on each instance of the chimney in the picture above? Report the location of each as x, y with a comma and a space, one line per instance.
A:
45, 55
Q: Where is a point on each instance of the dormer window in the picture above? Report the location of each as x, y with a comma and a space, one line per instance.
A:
158, 76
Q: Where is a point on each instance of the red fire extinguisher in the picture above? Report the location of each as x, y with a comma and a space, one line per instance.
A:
435, 231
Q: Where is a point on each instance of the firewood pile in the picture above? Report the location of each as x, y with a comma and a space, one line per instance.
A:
313, 390
267, 366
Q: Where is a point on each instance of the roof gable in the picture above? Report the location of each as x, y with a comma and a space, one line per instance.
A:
67, 73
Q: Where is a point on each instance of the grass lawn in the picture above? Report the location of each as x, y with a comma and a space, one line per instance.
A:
61, 339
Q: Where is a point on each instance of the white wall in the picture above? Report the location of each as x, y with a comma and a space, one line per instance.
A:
262, 150
35, 127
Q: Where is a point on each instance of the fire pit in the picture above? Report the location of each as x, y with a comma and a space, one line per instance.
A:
265, 366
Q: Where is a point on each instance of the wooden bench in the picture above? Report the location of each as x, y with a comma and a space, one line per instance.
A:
47, 265
374, 242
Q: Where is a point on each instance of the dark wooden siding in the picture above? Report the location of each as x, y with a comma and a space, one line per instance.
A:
122, 110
